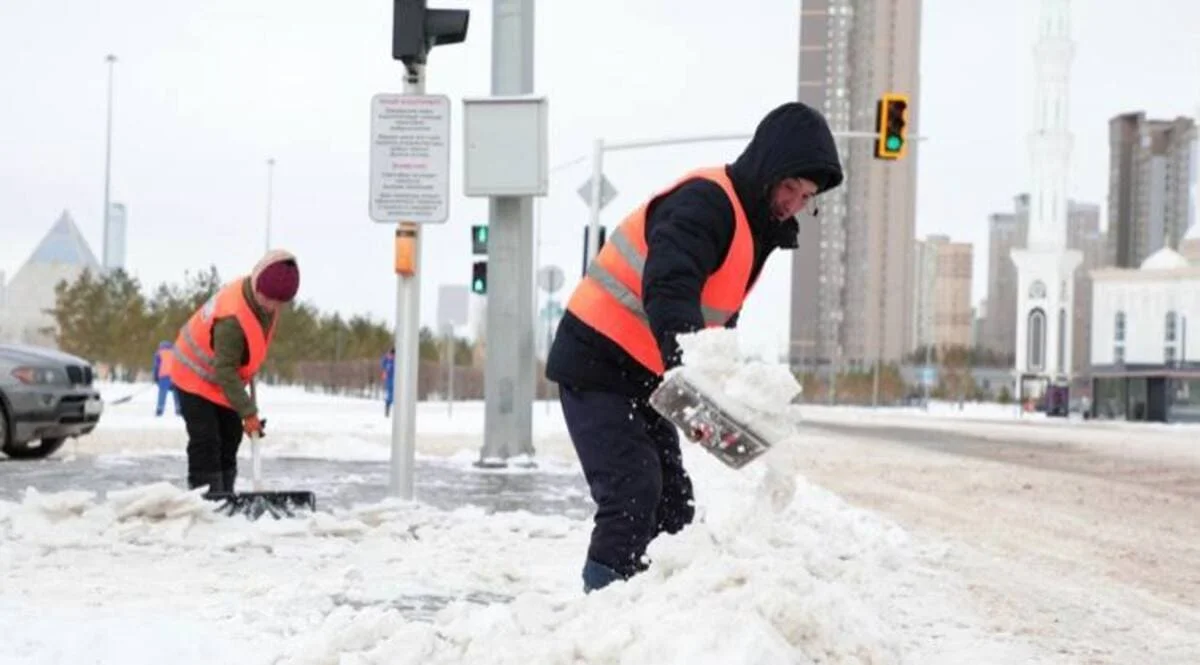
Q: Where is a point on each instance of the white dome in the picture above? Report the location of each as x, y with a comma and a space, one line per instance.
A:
1164, 259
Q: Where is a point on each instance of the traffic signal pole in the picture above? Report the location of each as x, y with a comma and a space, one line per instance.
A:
415, 30
509, 363
407, 340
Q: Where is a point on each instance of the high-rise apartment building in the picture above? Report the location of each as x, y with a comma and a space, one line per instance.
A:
942, 273
1149, 183
1007, 231
851, 275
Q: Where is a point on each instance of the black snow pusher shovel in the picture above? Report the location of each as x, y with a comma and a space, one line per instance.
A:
277, 504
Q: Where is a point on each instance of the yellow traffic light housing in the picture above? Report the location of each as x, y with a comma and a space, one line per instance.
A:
891, 122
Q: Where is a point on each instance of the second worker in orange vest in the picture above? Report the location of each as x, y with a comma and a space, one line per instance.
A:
217, 354
683, 260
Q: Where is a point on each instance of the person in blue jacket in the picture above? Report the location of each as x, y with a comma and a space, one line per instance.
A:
387, 365
162, 376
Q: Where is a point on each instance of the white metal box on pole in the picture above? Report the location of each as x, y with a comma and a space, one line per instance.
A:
505, 146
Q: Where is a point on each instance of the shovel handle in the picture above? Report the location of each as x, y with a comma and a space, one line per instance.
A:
255, 463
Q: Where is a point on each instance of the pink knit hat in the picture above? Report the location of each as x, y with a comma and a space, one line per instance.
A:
277, 276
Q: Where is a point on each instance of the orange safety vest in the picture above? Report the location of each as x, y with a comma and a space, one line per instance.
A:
609, 298
192, 370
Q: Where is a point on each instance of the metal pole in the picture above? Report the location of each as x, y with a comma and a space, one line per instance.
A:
549, 323
408, 314
593, 243
110, 59
449, 335
837, 363
509, 375
875, 381
924, 375
270, 194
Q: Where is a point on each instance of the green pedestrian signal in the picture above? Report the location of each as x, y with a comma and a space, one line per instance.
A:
479, 239
479, 277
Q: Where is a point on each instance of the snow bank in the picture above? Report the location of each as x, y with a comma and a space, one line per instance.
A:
775, 571
313, 425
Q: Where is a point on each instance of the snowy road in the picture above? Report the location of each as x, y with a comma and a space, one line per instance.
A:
1093, 554
443, 484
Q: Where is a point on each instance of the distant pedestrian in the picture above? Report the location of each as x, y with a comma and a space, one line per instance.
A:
387, 374
162, 377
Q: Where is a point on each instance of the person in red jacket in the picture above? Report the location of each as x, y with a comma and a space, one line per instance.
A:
683, 260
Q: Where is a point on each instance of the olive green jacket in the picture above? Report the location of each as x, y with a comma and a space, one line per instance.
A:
231, 352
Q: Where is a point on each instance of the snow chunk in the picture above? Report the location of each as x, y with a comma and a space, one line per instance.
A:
764, 387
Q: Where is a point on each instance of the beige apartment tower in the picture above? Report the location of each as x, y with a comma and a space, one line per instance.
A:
942, 273
852, 273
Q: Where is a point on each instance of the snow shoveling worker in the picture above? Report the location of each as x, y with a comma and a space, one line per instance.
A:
217, 354
683, 260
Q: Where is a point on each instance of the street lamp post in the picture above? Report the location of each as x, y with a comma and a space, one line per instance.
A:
270, 192
106, 250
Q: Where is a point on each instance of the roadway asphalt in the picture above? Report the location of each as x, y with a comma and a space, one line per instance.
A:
442, 484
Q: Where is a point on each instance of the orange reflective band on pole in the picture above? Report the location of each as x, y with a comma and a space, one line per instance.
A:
406, 250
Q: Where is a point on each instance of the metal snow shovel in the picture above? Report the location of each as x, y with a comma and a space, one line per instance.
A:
694, 405
276, 503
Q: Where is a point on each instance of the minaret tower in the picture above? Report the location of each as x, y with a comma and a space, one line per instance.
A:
1045, 267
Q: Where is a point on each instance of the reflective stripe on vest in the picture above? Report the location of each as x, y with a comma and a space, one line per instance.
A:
194, 357
713, 316
609, 298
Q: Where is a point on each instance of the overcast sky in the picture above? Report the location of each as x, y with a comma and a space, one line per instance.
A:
207, 91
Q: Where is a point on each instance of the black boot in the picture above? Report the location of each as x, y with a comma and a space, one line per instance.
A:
214, 481
229, 477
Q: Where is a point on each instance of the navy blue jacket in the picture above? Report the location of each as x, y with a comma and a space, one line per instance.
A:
688, 234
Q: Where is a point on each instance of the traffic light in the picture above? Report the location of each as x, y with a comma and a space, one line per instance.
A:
479, 239
416, 29
479, 277
891, 122
599, 245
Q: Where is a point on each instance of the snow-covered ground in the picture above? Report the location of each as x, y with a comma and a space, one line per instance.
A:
776, 569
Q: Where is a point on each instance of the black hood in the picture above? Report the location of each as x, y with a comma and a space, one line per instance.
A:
793, 140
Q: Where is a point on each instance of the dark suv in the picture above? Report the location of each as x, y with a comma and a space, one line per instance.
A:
45, 397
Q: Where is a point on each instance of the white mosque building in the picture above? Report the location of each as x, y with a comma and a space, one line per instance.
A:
1145, 355
63, 254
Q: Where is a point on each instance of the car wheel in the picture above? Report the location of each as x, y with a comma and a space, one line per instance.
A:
32, 449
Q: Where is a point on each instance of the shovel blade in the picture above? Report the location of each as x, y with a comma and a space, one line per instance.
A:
277, 504
691, 404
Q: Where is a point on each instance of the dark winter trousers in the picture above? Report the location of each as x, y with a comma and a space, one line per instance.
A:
214, 434
630, 457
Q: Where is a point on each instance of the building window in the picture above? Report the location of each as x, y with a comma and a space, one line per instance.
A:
1119, 338
1036, 346
1171, 338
